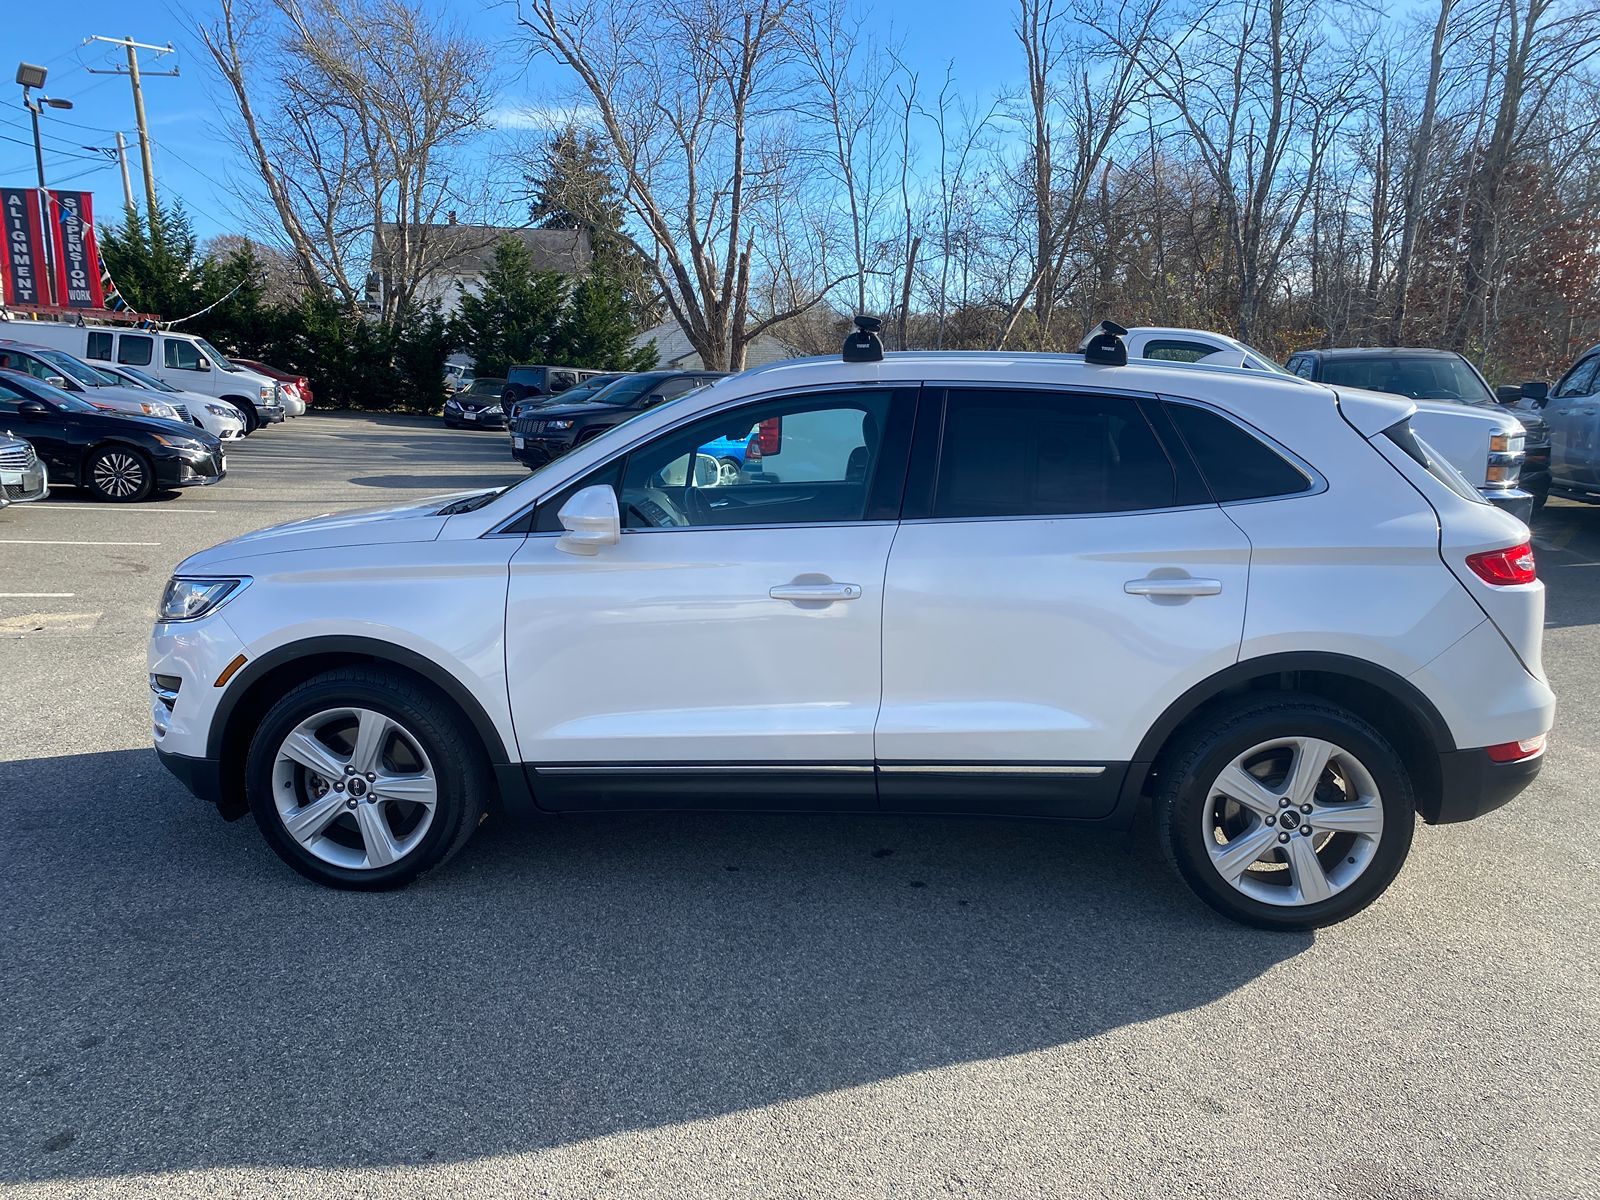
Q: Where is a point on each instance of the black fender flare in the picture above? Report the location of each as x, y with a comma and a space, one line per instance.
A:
1397, 687
352, 646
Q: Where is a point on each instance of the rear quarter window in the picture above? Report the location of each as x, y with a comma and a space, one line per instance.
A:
1236, 464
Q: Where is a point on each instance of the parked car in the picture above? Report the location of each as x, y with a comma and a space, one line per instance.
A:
550, 430
531, 380
1571, 412
221, 420
181, 359
113, 456
480, 406
1169, 344
548, 652
1456, 411
22, 476
458, 376
294, 389
62, 370
583, 391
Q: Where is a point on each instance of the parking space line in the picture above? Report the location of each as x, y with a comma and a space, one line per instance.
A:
37, 595
37, 542
141, 511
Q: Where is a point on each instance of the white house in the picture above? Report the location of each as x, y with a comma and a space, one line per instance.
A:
463, 254
676, 351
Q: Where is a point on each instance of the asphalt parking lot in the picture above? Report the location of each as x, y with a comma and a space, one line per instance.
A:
720, 1006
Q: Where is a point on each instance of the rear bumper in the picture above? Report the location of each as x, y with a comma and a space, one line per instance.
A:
1471, 784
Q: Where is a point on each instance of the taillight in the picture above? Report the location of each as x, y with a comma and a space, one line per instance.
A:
1502, 568
752, 452
769, 435
1508, 752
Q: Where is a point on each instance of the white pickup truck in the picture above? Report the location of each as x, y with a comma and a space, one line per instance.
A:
1483, 442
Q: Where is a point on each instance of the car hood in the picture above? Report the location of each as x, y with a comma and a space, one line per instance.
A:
413, 521
577, 410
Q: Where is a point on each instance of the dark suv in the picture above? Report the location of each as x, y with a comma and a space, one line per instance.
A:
549, 431
528, 379
1424, 374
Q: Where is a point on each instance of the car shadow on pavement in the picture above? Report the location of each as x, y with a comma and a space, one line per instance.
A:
178, 999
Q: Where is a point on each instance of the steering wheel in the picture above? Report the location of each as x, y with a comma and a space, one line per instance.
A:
657, 509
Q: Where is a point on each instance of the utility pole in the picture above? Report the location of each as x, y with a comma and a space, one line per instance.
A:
122, 161
135, 77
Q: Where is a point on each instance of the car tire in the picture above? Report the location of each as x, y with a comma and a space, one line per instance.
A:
416, 743
120, 474
1298, 881
252, 421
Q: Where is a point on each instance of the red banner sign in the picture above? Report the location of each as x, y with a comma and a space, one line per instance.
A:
76, 258
22, 267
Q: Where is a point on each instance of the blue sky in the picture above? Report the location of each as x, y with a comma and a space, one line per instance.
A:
193, 163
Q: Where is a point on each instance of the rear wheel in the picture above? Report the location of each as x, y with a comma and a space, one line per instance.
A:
120, 474
1286, 812
360, 779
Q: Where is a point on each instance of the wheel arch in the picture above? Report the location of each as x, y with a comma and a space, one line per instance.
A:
265, 680
105, 443
1399, 710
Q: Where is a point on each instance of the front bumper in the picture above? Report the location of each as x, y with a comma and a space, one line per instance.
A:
19, 487
1471, 784
180, 471
538, 451
1516, 501
271, 414
202, 776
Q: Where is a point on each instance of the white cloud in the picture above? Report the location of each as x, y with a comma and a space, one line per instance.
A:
533, 114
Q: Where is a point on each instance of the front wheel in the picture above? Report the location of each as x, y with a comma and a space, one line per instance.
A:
120, 474
1286, 812
360, 779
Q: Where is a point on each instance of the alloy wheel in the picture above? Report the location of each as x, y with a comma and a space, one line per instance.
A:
1293, 821
119, 475
355, 788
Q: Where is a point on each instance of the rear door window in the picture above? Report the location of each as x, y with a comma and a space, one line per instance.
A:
135, 349
1236, 464
98, 346
1047, 453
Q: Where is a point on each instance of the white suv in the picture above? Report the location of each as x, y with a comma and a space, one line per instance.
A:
955, 583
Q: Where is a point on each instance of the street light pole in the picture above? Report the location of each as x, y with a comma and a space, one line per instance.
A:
30, 77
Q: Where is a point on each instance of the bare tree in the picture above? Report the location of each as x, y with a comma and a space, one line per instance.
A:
352, 132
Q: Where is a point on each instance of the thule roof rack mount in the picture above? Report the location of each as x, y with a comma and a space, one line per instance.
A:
1105, 347
864, 345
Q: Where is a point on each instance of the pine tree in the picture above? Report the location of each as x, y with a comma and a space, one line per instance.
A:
572, 189
597, 329
514, 318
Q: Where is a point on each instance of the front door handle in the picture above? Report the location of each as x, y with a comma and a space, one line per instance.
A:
1181, 586
815, 593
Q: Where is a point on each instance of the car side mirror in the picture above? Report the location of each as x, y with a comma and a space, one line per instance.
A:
202, 363
653, 399
1508, 393
56, 381
1536, 392
32, 408
591, 520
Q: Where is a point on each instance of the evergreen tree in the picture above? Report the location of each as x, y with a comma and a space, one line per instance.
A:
515, 316
572, 189
597, 328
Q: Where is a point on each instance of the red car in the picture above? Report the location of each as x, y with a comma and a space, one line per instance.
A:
300, 383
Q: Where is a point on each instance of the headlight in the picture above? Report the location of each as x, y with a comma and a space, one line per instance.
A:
495, 410
268, 394
1506, 442
165, 411
218, 410
188, 445
186, 599
564, 423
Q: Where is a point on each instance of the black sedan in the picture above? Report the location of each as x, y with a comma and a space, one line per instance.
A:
114, 456
479, 407
549, 431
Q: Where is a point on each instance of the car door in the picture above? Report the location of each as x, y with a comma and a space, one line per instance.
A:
726, 651
49, 432
1060, 576
1573, 414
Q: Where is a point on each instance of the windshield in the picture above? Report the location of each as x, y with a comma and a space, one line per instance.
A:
73, 369
623, 390
486, 387
217, 357
1421, 377
37, 389
145, 380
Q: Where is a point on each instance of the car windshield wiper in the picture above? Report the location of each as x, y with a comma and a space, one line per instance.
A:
468, 504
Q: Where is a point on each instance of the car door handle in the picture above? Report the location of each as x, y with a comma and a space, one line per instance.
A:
815, 593
1182, 586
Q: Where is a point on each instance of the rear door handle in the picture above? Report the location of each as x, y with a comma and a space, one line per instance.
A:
815, 593
1182, 586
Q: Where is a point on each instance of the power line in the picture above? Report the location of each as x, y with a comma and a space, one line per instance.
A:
29, 145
